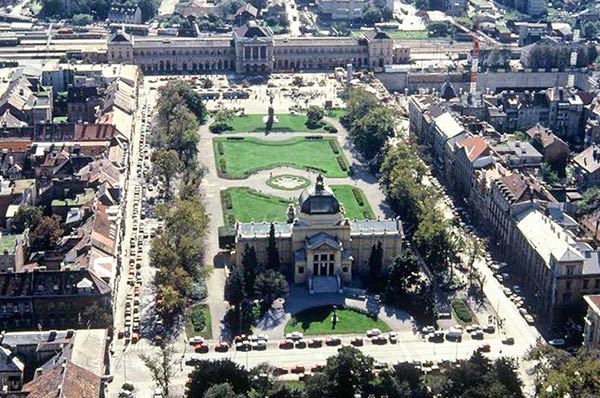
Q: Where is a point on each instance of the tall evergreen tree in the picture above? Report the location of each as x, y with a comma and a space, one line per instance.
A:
249, 264
272, 252
376, 261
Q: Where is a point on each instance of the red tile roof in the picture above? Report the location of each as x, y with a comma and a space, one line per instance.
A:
64, 380
15, 145
474, 147
95, 132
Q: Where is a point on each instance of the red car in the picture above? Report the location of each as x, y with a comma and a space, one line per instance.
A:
280, 371
240, 338
484, 348
286, 344
315, 343
201, 348
333, 341
317, 368
298, 369
221, 346
357, 342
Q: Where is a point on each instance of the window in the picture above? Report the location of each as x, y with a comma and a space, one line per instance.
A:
570, 270
596, 283
345, 268
300, 270
568, 285
586, 282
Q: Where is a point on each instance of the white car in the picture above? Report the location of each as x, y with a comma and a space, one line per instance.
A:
516, 289
196, 340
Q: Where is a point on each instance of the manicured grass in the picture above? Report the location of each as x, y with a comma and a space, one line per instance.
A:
246, 205
347, 195
336, 113
238, 158
317, 321
254, 123
189, 326
461, 311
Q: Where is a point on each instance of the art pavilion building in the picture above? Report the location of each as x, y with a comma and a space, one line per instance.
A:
318, 242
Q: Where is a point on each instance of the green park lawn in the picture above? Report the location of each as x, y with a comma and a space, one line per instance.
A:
254, 123
336, 113
317, 321
246, 205
349, 197
238, 158
206, 332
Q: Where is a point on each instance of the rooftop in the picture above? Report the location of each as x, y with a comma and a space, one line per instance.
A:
546, 237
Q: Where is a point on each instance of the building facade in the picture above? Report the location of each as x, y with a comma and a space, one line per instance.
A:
591, 332
319, 241
252, 49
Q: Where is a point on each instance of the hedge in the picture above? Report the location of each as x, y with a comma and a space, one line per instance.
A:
342, 162
198, 319
227, 200
220, 148
358, 196
223, 166
334, 147
462, 311
313, 137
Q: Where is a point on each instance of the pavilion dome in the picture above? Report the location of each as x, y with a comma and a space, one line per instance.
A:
318, 199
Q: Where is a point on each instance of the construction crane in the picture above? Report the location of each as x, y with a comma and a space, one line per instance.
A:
474, 66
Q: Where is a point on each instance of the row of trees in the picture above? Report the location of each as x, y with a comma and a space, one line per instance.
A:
95, 9
549, 55
350, 373
370, 124
178, 252
253, 281
402, 179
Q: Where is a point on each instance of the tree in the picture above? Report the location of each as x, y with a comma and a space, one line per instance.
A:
589, 202
172, 300
370, 133
349, 372
404, 279
26, 217
162, 367
314, 116
235, 287
439, 29
166, 165
272, 252
434, 241
82, 19
210, 373
402, 381
422, 4
223, 390
376, 260
46, 235
95, 316
548, 174
270, 286
371, 15
359, 103
249, 265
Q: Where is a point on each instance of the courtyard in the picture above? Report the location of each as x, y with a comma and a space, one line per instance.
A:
238, 157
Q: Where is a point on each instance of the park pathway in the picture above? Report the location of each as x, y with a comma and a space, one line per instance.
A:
213, 185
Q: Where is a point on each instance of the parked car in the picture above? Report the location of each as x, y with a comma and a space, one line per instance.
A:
297, 369
278, 371
222, 346
557, 342
489, 328
529, 319
315, 343
508, 341
357, 341
373, 332
316, 368
243, 346
427, 329
477, 335
436, 337
196, 340
201, 348
454, 334
286, 344
300, 343
484, 348
259, 345
333, 341
379, 340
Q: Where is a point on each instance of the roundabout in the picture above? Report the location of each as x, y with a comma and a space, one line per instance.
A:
288, 182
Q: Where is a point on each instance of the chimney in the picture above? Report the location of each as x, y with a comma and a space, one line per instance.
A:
38, 373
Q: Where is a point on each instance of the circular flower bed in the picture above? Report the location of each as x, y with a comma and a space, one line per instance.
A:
288, 182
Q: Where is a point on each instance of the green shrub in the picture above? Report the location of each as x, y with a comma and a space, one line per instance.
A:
219, 127
127, 387
334, 147
366, 215
462, 311
358, 196
198, 319
332, 130
313, 137
198, 291
223, 166
231, 219
220, 148
227, 200
342, 162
